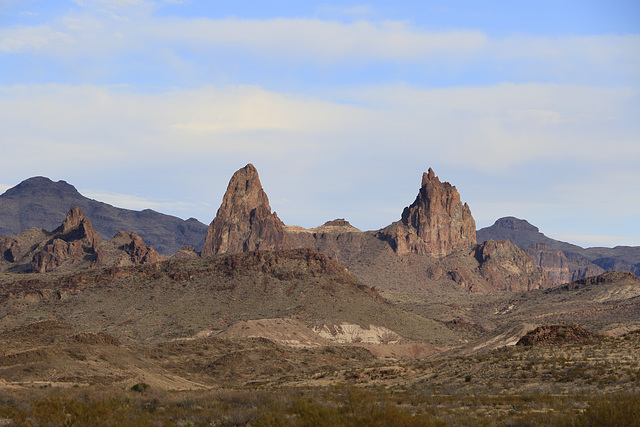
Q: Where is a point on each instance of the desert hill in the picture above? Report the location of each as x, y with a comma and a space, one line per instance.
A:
41, 203
564, 262
199, 297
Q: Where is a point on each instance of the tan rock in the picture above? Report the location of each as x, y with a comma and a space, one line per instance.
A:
138, 251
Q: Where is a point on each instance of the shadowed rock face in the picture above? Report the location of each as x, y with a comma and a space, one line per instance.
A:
74, 245
437, 222
134, 246
509, 268
74, 241
558, 266
244, 221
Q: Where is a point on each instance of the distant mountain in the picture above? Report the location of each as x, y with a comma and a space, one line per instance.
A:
567, 261
40, 202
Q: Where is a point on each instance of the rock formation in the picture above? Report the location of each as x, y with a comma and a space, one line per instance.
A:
42, 203
432, 247
560, 268
437, 223
509, 268
9, 248
133, 245
244, 221
557, 334
73, 245
74, 241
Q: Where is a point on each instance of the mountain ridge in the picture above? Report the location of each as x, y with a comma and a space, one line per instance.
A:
575, 261
42, 203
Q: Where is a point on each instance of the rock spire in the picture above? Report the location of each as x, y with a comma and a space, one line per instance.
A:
244, 221
436, 223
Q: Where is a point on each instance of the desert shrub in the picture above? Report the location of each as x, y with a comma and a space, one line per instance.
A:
611, 411
63, 410
140, 387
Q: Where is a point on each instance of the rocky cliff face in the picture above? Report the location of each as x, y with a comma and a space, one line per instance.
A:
244, 221
508, 268
437, 222
73, 242
558, 266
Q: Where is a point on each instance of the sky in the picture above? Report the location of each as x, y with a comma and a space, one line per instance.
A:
531, 109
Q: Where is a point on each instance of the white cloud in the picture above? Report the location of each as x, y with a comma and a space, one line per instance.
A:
129, 201
36, 38
490, 129
328, 158
108, 31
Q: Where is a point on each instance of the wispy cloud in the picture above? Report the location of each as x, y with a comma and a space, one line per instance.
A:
129, 201
113, 133
104, 31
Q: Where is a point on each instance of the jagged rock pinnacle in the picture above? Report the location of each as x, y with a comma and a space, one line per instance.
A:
244, 221
436, 223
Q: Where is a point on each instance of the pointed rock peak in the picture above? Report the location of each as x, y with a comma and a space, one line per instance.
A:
436, 223
244, 221
74, 219
244, 193
428, 177
76, 226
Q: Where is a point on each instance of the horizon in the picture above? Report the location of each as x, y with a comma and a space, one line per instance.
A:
530, 111
3, 190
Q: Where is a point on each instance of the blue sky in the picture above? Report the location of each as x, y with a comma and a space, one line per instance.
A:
530, 108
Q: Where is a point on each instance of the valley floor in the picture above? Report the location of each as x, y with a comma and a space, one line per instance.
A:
256, 382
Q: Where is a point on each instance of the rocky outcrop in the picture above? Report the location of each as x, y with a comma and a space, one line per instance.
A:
557, 334
559, 267
437, 223
608, 278
73, 242
9, 248
431, 248
74, 245
186, 252
244, 221
507, 268
133, 245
